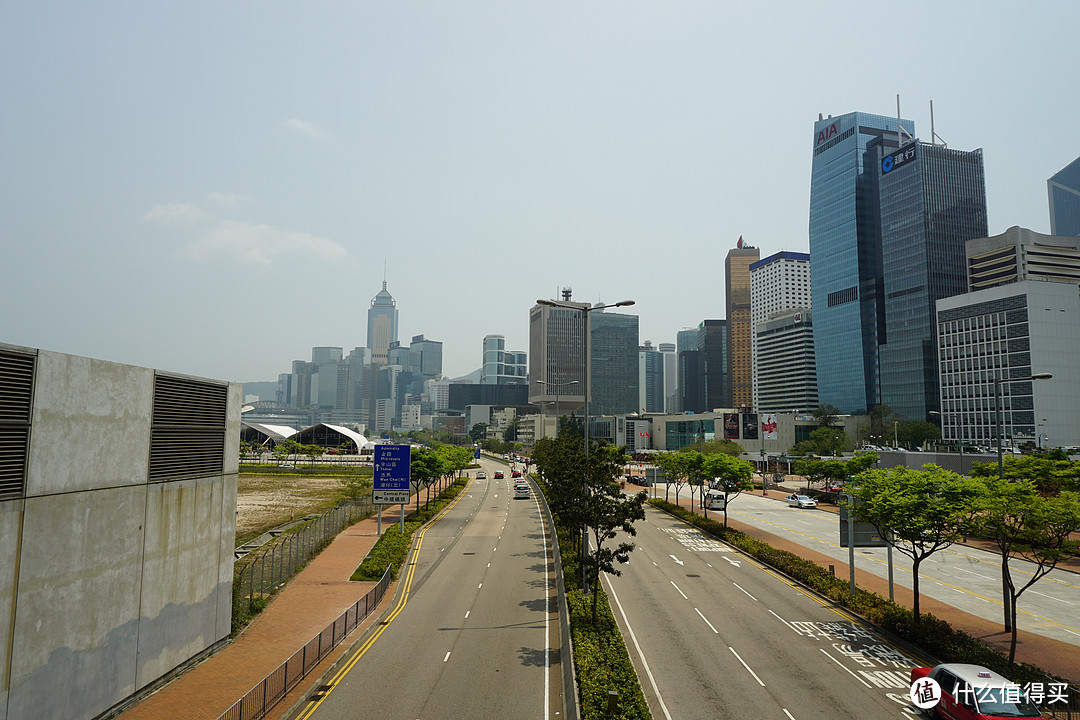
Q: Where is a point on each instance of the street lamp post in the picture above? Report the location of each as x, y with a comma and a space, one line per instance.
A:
585, 310
895, 442
998, 423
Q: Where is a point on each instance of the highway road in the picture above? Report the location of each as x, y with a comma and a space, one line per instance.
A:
475, 631
715, 635
962, 576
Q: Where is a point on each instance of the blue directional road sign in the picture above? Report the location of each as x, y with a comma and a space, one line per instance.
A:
391, 474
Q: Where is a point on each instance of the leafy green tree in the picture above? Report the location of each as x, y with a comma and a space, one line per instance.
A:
478, 432
1027, 525
716, 445
424, 466
312, 451
824, 471
510, 433
918, 511
830, 440
916, 433
880, 426
675, 468
354, 487
1049, 474
729, 475
608, 511
826, 415
284, 449
454, 460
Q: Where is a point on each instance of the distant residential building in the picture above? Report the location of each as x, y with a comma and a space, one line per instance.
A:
500, 366
1064, 191
739, 329
778, 283
787, 373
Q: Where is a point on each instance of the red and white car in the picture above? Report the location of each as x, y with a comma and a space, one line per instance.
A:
956, 691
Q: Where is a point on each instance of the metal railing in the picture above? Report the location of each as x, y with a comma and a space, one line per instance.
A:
258, 579
275, 686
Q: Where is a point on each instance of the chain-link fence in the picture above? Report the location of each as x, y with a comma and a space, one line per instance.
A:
273, 564
265, 695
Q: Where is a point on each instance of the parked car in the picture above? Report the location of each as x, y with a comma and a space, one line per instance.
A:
801, 501
968, 692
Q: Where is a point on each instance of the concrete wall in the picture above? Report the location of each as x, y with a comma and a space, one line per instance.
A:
107, 582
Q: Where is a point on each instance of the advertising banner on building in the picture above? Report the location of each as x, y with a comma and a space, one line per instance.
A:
749, 426
731, 426
768, 426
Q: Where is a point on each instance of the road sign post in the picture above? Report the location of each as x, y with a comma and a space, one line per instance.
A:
390, 482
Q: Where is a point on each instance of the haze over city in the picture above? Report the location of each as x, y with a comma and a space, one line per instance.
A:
215, 189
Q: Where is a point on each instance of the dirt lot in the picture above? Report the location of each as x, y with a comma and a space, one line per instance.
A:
265, 501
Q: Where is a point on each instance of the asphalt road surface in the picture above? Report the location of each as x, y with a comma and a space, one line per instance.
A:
715, 635
476, 630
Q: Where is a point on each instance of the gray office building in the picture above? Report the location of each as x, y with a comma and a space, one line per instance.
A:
614, 384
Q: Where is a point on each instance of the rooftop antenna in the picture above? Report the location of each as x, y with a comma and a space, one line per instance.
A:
566, 294
900, 131
933, 135
384, 274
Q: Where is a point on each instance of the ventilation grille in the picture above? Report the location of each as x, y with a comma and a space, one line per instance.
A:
16, 391
187, 436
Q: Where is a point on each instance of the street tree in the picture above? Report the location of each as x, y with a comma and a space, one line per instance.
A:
825, 415
1027, 525
608, 511
675, 468
919, 512
729, 475
830, 440
716, 445
424, 466
916, 433
478, 432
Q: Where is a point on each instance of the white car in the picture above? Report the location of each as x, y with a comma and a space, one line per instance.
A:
521, 491
801, 501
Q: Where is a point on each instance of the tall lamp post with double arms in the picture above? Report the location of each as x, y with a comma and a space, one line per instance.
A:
584, 310
998, 429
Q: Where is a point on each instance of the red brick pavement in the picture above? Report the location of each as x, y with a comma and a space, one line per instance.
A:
1055, 656
313, 600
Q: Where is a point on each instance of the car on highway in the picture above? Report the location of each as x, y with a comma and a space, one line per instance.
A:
968, 692
516, 473
521, 490
801, 501
481, 475
498, 475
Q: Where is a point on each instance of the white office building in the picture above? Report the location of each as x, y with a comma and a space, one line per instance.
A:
778, 283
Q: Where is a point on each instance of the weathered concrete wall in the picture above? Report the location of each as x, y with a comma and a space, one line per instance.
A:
107, 582
90, 426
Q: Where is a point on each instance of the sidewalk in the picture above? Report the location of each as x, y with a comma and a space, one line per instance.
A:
1054, 656
313, 600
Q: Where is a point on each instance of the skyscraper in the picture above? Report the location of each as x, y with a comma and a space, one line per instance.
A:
932, 200
613, 384
500, 366
557, 349
845, 248
779, 283
671, 377
716, 365
737, 296
425, 357
651, 390
1064, 191
382, 325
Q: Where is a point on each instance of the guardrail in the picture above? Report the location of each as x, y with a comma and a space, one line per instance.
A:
267, 693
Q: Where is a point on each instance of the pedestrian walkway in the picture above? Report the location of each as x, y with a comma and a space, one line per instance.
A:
313, 600
1060, 658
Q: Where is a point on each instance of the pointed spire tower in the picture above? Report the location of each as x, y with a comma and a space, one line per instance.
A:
382, 325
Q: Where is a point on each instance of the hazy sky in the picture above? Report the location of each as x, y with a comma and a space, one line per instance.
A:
214, 187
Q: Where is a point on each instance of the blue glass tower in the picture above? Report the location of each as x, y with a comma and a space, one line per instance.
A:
845, 248
932, 201
1064, 191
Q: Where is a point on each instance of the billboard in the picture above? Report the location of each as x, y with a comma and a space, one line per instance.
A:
731, 426
749, 426
768, 426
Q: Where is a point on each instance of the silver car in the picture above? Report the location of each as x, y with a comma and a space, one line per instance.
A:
801, 501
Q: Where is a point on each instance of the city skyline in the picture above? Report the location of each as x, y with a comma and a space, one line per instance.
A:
218, 213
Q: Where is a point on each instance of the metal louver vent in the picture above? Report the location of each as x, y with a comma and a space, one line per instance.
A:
16, 391
187, 434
